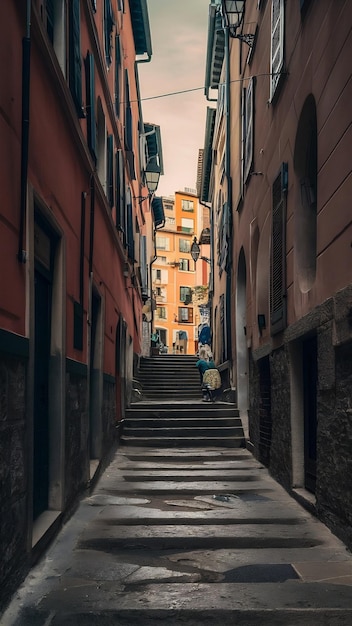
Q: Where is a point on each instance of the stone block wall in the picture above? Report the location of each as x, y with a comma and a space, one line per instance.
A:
280, 453
109, 423
76, 435
13, 473
334, 479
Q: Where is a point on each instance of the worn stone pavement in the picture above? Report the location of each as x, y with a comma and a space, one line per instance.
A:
188, 537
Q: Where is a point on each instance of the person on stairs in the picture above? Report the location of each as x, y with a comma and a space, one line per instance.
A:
203, 364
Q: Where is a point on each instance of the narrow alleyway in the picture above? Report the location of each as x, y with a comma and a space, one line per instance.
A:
188, 536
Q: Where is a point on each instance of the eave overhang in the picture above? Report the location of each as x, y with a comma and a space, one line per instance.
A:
215, 48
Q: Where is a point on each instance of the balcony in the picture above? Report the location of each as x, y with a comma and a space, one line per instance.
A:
184, 229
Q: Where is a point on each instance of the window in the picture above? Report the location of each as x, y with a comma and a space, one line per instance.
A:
168, 206
91, 121
101, 145
143, 265
110, 169
278, 253
187, 225
170, 220
161, 259
161, 312
129, 129
108, 26
184, 265
162, 243
117, 74
158, 274
185, 314
223, 238
129, 224
75, 66
158, 291
184, 245
277, 44
120, 191
55, 13
247, 129
186, 294
188, 205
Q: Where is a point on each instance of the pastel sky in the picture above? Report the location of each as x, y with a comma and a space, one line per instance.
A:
179, 40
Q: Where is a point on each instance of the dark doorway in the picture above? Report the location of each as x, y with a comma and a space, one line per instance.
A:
43, 277
310, 375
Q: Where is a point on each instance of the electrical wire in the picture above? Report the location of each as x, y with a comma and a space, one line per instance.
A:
176, 93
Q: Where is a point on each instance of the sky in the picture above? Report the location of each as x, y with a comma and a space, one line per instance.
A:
179, 40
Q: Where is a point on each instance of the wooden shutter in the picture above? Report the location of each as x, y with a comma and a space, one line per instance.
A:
120, 192
248, 129
129, 225
91, 120
117, 74
278, 253
75, 66
108, 26
110, 170
277, 43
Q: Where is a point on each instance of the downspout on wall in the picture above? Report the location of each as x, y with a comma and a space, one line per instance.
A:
228, 350
26, 62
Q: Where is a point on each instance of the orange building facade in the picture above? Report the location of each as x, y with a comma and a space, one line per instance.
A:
177, 280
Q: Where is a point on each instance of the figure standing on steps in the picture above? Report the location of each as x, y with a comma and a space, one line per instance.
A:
203, 364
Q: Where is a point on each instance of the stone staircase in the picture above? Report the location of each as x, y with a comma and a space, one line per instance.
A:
172, 414
169, 377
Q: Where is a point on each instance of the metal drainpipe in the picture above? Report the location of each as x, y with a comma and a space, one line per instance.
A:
26, 59
229, 194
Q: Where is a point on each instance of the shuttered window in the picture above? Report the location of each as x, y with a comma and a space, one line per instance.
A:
120, 192
248, 106
129, 225
50, 19
117, 74
185, 315
110, 170
75, 66
278, 253
277, 43
108, 26
91, 120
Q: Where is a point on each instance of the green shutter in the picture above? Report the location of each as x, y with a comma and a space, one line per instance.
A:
117, 74
110, 170
278, 253
75, 69
158, 212
108, 26
91, 122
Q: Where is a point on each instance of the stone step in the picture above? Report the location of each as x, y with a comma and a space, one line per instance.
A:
183, 442
182, 422
156, 407
181, 432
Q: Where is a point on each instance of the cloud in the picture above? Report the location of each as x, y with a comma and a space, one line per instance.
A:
179, 39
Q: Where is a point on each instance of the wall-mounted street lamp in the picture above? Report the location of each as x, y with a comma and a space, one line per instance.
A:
195, 252
233, 11
151, 178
